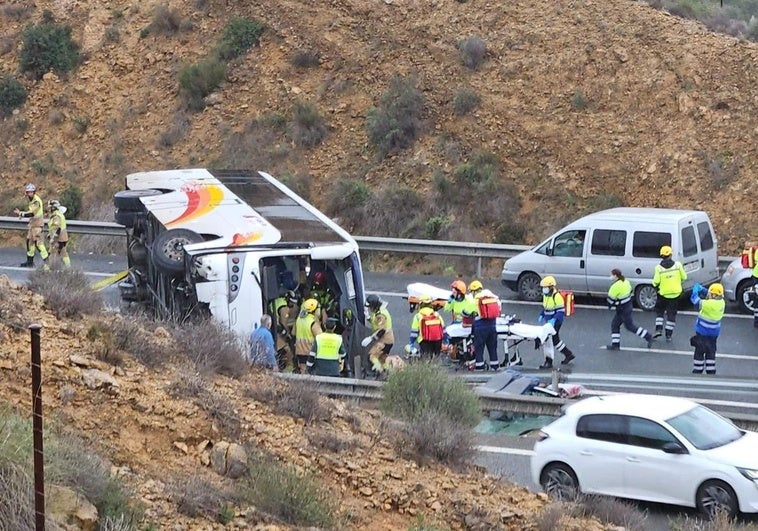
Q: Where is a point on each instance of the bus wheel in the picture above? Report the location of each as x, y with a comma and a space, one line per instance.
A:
130, 199
168, 249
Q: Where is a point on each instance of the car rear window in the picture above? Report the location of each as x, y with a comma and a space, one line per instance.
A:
689, 242
648, 244
706, 237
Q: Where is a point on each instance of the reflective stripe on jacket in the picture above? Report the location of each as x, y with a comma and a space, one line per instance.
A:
709, 317
669, 280
553, 307
619, 293
328, 346
306, 329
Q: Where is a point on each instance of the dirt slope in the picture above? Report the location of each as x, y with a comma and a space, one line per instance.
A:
670, 117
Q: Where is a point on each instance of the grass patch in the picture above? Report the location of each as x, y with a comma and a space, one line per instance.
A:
290, 495
395, 123
67, 292
610, 511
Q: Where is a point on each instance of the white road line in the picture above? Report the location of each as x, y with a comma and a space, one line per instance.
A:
687, 353
502, 450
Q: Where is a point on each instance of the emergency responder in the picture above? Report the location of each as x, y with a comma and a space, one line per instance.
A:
382, 336
484, 306
755, 288
327, 354
667, 280
57, 233
457, 302
326, 298
620, 298
711, 305
285, 309
307, 327
427, 330
35, 212
554, 312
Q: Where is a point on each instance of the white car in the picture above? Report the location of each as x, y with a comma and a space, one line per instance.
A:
653, 448
738, 286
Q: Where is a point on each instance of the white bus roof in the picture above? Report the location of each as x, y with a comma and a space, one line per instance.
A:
239, 207
650, 215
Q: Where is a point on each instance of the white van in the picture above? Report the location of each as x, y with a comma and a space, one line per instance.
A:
226, 243
581, 255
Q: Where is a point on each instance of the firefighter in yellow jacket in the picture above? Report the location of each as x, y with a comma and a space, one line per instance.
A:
57, 233
667, 280
307, 327
286, 311
35, 212
327, 354
382, 337
427, 331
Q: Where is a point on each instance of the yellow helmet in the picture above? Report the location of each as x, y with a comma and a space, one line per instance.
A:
475, 285
310, 305
548, 282
666, 251
425, 300
717, 290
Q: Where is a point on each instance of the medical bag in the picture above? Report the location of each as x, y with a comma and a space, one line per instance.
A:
431, 327
748, 256
489, 307
568, 302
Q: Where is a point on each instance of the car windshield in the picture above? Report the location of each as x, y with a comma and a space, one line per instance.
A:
705, 429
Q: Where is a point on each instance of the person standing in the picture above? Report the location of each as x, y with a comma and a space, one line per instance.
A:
56, 230
485, 309
307, 327
285, 309
711, 305
755, 288
427, 330
620, 298
382, 336
327, 354
262, 351
35, 212
667, 281
457, 302
554, 312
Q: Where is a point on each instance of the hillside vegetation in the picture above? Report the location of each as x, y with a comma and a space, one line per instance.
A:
447, 119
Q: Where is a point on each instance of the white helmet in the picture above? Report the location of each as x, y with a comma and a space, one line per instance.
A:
54, 203
30, 188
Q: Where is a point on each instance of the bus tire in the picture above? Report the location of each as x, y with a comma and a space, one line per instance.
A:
168, 249
130, 199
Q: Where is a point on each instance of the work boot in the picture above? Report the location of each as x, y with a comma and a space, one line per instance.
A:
669, 339
613, 346
649, 340
548, 364
29, 262
568, 358
658, 332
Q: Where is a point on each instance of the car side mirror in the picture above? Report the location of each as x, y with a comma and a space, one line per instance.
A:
674, 448
549, 250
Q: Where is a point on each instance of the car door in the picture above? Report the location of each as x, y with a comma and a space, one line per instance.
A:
652, 474
607, 250
566, 259
600, 454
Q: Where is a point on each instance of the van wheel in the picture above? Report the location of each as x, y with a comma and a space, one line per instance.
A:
645, 297
747, 299
168, 249
130, 199
529, 287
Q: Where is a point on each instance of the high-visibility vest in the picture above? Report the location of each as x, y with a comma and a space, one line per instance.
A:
304, 334
620, 292
709, 317
668, 280
328, 346
58, 221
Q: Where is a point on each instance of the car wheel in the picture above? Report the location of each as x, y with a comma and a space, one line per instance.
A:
130, 199
747, 299
529, 287
714, 497
168, 249
559, 482
645, 297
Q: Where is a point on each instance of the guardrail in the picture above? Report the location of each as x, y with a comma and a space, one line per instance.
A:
475, 250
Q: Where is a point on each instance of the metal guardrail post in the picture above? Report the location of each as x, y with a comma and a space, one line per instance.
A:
39, 462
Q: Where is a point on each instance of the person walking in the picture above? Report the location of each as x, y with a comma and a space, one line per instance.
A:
554, 312
485, 309
285, 309
261, 352
667, 281
710, 305
382, 337
755, 288
307, 327
620, 298
57, 233
35, 212
427, 330
327, 354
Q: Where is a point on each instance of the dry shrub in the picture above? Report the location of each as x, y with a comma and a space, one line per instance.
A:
16, 11
263, 391
333, 442
721, 522
17, 495
307, 128
303, 401
187, 384
221, 410
178, 129
133, 336
473, 50
465, 101
396, 122
67, 292
197, 497
212, 347
305, 59
610, 511
166, 20
434, 436
394, 211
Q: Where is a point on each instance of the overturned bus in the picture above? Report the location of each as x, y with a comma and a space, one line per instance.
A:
226, 243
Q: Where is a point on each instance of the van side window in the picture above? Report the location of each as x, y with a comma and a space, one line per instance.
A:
648, 244
570, 243
689, 242
706, 238
608, 242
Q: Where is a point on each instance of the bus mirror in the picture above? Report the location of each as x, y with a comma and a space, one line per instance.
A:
270, 283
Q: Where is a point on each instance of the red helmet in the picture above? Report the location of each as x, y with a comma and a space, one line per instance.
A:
319, 277
459, 285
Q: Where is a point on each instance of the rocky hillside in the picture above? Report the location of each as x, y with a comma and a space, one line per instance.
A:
583, 103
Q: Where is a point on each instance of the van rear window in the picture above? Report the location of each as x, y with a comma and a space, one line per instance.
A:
648, 244
706, 238
689, 243
609, 242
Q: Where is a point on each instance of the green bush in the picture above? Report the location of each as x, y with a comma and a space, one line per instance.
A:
482, 168
424, 389
308, 127
510, 233
435, 225
396, 122
579, 100
240, 34
198, 80
393, 212
465, 101
291, 496
346, 196
12, 95
473, 50
48, 47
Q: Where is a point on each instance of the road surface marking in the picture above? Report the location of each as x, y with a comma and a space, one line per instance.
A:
687, 353
502, 450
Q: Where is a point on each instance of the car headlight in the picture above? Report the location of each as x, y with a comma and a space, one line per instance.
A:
749, 473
